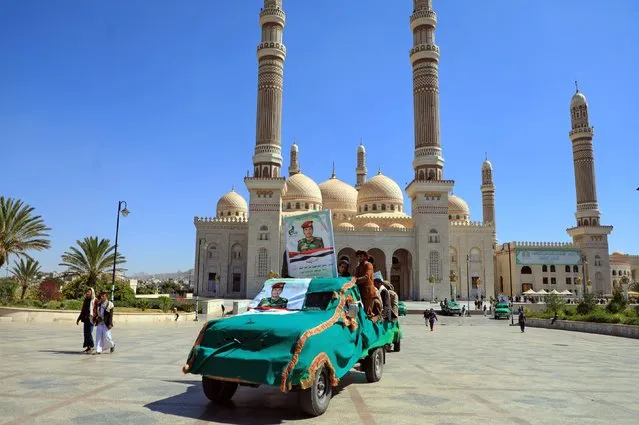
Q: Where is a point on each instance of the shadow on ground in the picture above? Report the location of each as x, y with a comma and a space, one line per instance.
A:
69, 352
250, 406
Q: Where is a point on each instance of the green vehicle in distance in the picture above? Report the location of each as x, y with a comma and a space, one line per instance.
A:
403, 310
451, 309
502, 310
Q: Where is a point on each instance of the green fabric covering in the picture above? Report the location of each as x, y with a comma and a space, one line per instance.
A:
258, 347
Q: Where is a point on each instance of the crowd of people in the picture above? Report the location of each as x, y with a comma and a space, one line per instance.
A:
97, 313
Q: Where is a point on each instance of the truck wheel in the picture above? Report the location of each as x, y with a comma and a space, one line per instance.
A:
218, 391
374, 365
315, 400
397, 345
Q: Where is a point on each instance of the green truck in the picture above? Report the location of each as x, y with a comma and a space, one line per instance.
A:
502, 310
308, 349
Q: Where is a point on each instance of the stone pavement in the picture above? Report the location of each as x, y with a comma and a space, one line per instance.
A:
469, 371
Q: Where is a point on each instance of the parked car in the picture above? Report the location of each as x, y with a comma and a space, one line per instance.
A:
451, 309
308, 350
403, 310
502, 310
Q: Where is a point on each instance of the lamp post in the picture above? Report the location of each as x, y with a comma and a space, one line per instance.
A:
583, 272
197, 277
468, 280
510, 273
124, 211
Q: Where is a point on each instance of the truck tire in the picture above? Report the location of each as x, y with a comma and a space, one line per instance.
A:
315, 399
218, 391
374, 365
397, 345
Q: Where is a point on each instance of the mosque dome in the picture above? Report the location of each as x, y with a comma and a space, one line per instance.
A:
232, 204
371, 226
303, 190
458, 208
380, 194
338, 195
578, 99
345, 226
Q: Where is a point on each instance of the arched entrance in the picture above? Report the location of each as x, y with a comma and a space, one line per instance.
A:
348, 254
379, 263
401, 272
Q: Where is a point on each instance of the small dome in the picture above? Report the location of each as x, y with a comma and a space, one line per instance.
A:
361, 148
371, 226
458, 207
397, 226
345, 226
232, 203
294, 148
338, 195
302, 188
578, 99
380, 189
487, 165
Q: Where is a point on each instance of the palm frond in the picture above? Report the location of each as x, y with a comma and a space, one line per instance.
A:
20, 229
91, 258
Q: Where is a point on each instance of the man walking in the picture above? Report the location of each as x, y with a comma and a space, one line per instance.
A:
87, 316
522, 320
104, 320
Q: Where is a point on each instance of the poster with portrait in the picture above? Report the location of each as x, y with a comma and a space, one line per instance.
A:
281, 294
310, 245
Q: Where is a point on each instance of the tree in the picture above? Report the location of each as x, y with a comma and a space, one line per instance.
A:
554, 303
20, 230
93, 258
633, 287
25, 273
49, 290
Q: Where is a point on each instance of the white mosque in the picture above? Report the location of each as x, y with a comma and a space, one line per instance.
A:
438, 252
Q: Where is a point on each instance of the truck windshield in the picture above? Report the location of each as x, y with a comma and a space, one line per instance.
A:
318, 300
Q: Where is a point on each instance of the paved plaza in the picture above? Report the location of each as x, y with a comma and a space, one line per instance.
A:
469, 371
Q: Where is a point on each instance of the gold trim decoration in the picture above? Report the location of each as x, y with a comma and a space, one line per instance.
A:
350, 322
320, 360
284, 386
189, 361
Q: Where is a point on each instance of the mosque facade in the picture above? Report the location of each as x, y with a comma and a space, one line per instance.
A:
437, 252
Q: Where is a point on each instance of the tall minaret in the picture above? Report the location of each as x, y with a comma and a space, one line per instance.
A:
589, 235
294, 167
267, 186
361, 166
488, 196
424, 57
271, 54
428, 191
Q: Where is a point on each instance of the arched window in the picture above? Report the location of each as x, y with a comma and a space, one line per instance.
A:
365, 207
264, 235
614, 272
597, 260
475, 255
237, 252
544, 268
567, 269
383, 207
575, 269
433, 237
433, 258
306, 206
288, 206
453, 255
392, 207
526, 270
262, 262
374, 207
297, 206
552, 269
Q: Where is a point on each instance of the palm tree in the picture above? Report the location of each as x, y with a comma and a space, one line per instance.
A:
634, 287
93, 258
20, 230
25, 273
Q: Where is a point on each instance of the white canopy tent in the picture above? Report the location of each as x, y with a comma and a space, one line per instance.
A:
530, 292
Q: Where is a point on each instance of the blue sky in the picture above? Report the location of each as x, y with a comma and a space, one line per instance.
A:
153, 102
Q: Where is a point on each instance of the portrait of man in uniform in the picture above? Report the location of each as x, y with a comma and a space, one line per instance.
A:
275, 300
309, 242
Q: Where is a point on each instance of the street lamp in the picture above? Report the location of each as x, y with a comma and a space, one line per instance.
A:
468, 280
584, 263
125, 212
510, 272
